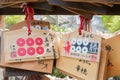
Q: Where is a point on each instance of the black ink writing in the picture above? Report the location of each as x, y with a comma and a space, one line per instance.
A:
43, 63
81, 69
46, 39
46, 44
51, 36
12, 47
44, 33
54, 52
85, 61
87, 35
48, 50
109, 48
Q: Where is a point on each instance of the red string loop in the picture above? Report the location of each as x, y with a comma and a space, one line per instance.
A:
29, 12
82, 20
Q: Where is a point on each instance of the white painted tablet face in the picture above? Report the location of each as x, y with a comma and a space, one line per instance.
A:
72, 48
85, 42
38, 27
32, 27
79, 41
84, 50
45, 28
78, 49
73, 41
24, 27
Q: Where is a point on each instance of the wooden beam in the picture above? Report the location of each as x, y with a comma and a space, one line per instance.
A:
38, 5
79, 6
14, 1
60, 11
42, 5
78, 12
95, 4
96, 1
101, 4
107, 4
3, 6
18, 11
113, 10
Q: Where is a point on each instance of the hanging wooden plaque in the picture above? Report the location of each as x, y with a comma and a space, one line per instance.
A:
42, 25
113, 47
83, 69
18, 46
102, 74
39, 65
86, 46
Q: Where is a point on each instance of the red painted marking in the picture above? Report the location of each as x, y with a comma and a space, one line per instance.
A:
30, 42
40, 50
21, 52
31, 51
39, 41
20, 42
67, 48
13, 55
93, 57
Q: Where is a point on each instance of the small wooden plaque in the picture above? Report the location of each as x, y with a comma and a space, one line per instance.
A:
102, 74
77, 67
44, 66
113, 46
86, 46
18, 46
34, 24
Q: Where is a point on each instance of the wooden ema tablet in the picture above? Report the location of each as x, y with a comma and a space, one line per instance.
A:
79, 68
39, 66
18, 46
35, 23
86, 46
69, 66
113, 55
43, 66
102, 74
2, 23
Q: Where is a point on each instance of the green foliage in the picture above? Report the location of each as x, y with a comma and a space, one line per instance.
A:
111, 23
116, 78
11, 20
57, 29
57, 74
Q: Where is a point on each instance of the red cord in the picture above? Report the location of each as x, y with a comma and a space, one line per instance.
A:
29, 12
82, 20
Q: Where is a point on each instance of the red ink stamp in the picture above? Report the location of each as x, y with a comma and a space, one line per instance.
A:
31, 51
39, 41
13, 55
21, 52
93, 57
40, 50
67, 47
20, 42
30, 42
